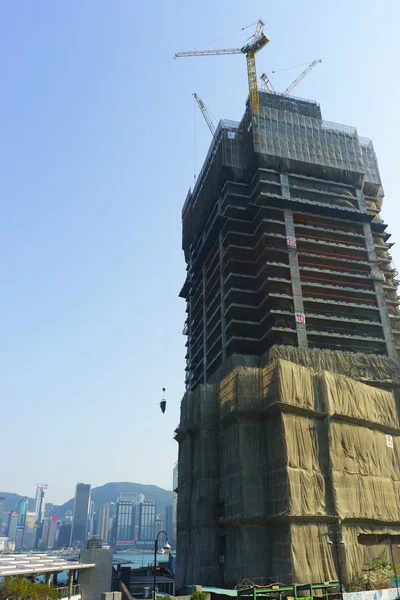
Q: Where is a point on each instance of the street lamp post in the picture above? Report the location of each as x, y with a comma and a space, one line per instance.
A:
335, 545
166, 547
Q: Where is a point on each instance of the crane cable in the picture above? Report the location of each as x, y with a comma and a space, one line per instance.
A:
289, 68
225, 36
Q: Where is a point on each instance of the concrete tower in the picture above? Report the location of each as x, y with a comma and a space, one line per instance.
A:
293, 333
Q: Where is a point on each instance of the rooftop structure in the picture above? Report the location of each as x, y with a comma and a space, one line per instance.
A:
292, 324
30, 564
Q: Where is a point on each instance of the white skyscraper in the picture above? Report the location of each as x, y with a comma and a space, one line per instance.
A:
40, 501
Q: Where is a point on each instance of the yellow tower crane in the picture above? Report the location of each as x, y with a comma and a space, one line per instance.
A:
205, 113
268, 85
256, 43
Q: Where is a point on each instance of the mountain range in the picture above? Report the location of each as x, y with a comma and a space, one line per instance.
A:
103, 494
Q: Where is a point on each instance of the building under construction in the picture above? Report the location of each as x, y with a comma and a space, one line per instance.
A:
289, 430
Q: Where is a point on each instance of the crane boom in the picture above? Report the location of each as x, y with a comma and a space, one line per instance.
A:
205, 113
208, 52
301, 76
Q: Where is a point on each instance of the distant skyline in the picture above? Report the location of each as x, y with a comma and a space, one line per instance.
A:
101, 139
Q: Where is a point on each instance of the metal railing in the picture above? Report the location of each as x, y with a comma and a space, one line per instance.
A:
62, 592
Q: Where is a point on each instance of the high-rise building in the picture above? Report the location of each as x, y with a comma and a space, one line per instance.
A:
103, 522
92, 513
293, 323
30, 530
2, 502
169, 524
80, 522
51, 538
12, 526
40, 501
147, 518
64, 535
125, 523
48, 510
140, 498
22, 509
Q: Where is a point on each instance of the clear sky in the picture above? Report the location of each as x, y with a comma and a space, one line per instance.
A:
99, 139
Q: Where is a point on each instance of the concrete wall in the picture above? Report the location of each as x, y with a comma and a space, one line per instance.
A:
96, 580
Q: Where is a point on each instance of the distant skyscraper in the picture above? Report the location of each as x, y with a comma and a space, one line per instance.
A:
52, 532
169, 525
91, 519
157, 527
140, 498
40, 501
12, 526
48, 510
147, 517
68, 516
80, 520
22, 509
42, 534
102, 522
64, 535
30, 531
2, 502
125, 528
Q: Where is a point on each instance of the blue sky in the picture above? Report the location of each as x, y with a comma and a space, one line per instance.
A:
100, 138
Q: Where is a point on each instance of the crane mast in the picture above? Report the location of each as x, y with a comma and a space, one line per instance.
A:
205, 113
267, 83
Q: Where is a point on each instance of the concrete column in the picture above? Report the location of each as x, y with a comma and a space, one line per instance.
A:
298, 305
96, 580
285, 190
70, 582
47, 578
222, 293
190, 332
55, 578
204, 328
380, 294
360, 200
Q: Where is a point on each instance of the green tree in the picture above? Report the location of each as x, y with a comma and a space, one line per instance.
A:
199, 596
18, 588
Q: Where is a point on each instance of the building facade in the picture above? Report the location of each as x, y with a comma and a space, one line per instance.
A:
22, 509
80, 520
2, 503
64, 535
147, 518
290, 297
40, 501
51, 538
12, 526
30, 531
125, 523
103, 522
